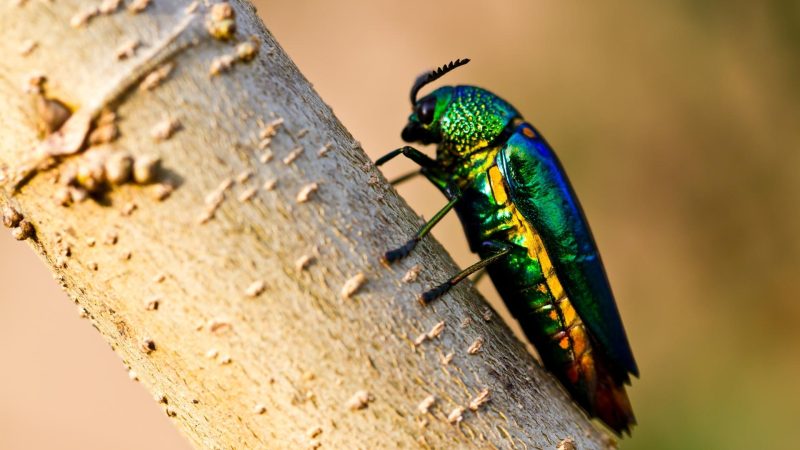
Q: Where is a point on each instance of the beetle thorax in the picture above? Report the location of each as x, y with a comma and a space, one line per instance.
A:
473, 120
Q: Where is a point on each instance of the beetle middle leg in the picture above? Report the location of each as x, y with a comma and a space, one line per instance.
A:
431, 169
454, 194
500, 249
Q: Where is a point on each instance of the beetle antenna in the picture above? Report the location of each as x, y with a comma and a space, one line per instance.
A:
433, 75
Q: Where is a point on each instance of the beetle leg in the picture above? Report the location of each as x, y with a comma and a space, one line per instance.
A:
411, 153
501, 249
430, 167
404, 177
477, 278
454, 194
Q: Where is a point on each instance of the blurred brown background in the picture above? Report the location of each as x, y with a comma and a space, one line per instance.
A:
678, 125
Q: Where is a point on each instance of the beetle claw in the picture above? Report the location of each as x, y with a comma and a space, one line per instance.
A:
385, 262
421, 300
392, 256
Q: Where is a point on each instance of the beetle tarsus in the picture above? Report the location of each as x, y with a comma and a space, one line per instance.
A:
388, 157
399, 253
433, 294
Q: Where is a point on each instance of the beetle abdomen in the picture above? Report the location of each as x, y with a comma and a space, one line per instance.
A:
564, 343
529, 285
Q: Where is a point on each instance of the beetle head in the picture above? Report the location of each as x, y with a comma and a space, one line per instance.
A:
460, 119
423, 123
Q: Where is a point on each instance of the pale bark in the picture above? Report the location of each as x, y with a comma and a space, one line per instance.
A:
256, 371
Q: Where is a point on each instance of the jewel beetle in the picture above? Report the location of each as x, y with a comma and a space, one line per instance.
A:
523, 219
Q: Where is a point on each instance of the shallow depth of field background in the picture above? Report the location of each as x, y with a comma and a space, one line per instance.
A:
678, 125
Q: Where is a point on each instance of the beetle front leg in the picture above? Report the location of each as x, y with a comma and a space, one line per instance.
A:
405, 177
423, 160
454, 194
500, 249
430, 168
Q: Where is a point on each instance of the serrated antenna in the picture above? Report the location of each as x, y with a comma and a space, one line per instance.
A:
433, 75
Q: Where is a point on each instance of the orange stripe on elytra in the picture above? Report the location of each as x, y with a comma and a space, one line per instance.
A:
570, 316
580, 342
498, 185
573, 336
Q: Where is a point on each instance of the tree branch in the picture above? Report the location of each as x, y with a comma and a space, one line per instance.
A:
239, 278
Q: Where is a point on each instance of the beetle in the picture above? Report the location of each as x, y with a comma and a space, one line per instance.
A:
523, 219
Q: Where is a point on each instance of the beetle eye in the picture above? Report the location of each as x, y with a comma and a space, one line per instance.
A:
425, 111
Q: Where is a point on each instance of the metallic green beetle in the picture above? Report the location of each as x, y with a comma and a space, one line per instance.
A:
523, 219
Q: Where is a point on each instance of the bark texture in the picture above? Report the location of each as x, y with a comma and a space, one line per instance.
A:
250, 301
